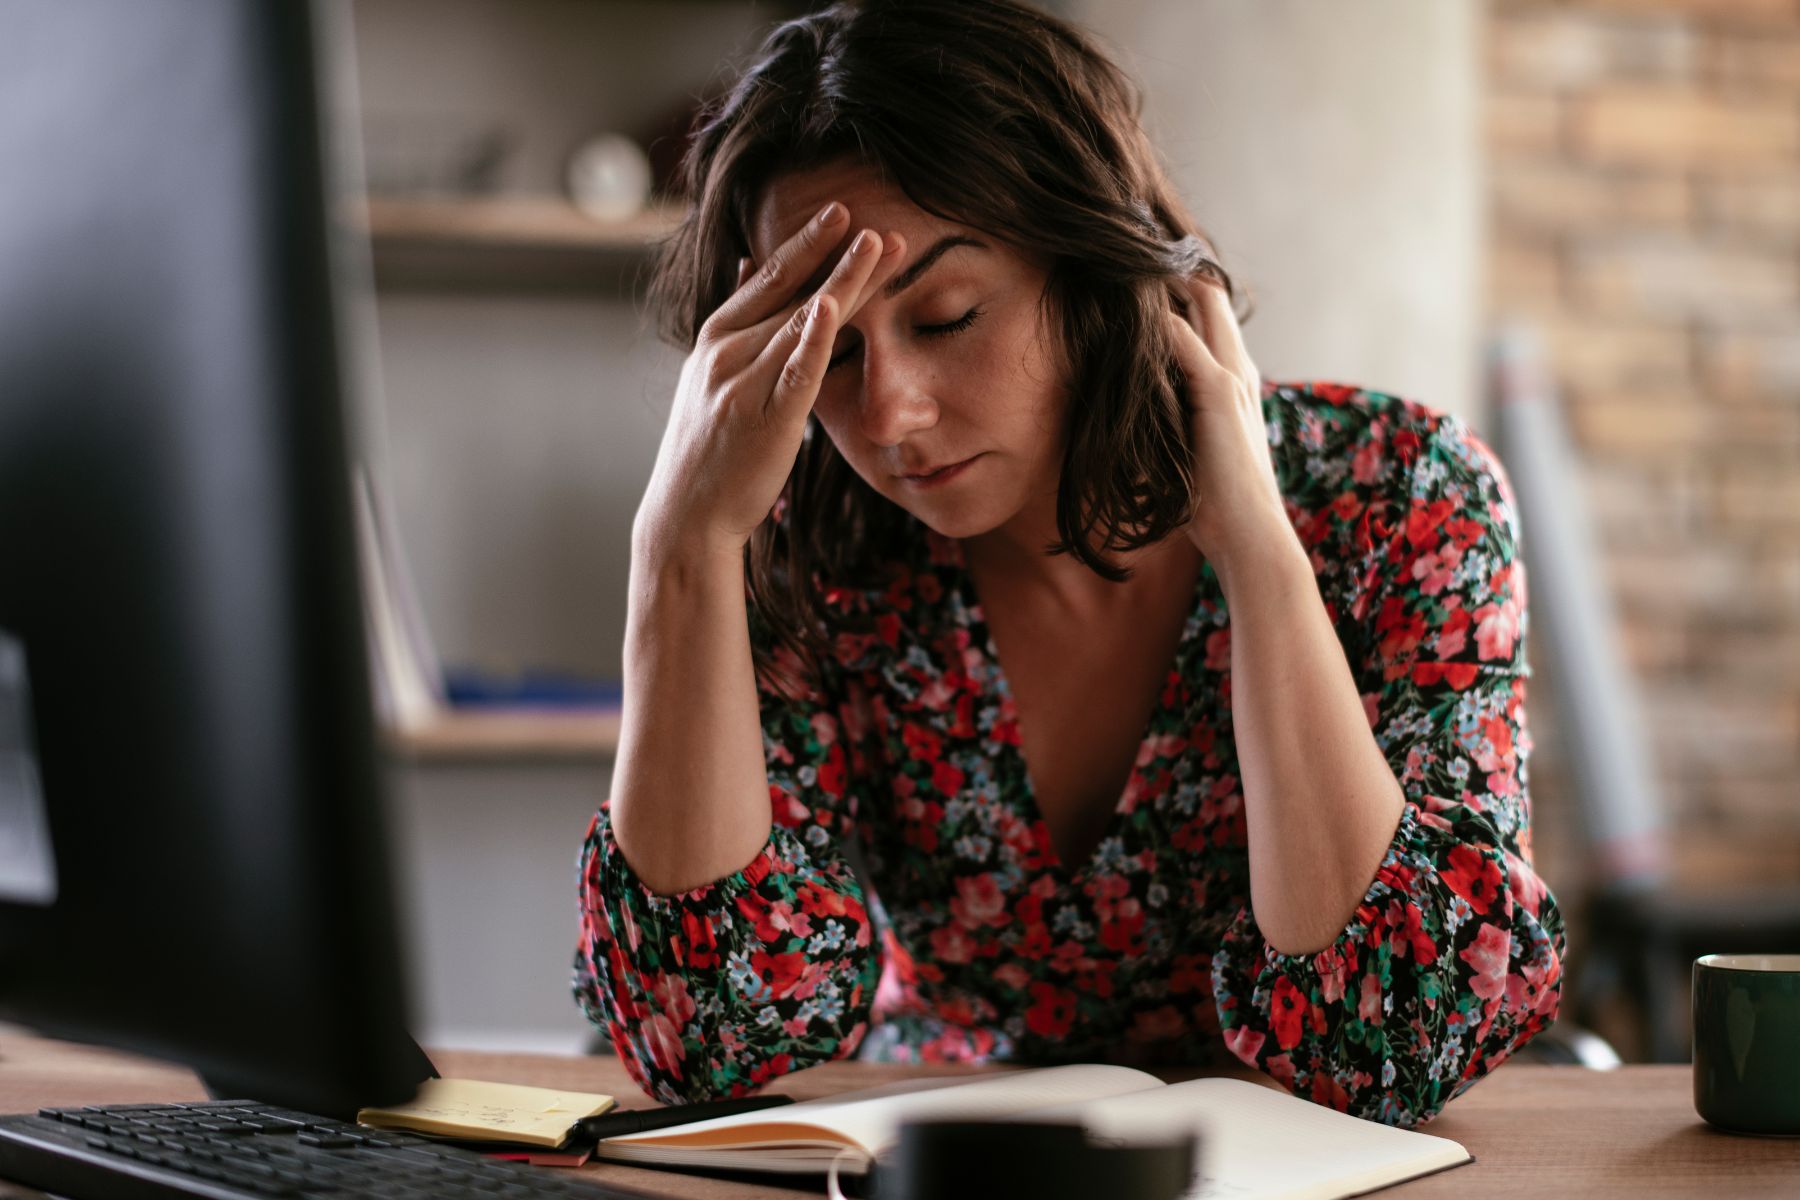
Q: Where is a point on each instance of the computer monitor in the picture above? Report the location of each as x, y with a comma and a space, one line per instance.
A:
192, 858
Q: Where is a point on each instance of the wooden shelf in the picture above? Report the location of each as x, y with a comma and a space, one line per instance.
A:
497, 735
507, 243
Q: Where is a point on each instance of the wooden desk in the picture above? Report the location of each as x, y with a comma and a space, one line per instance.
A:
1536, 1131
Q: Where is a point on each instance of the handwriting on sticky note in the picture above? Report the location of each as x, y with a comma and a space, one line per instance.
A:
472, 1108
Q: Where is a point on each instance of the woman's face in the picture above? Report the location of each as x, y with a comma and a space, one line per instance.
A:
955, 364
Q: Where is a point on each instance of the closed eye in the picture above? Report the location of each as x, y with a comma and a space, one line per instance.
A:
949, 329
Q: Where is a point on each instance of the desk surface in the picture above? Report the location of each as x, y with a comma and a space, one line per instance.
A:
1536, 1131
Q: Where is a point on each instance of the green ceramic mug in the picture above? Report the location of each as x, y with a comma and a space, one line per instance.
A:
1747, 1042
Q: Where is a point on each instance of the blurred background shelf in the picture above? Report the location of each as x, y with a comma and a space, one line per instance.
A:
508, 243
512, 735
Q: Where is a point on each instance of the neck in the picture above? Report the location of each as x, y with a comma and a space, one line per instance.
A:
1013, 556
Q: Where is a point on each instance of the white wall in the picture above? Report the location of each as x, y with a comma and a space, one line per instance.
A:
1332, 151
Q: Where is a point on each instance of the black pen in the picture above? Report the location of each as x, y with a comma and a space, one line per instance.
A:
642, 1120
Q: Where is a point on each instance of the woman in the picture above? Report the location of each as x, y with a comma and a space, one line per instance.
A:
1175, 715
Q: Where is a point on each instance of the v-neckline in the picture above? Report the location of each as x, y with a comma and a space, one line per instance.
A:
1001, 686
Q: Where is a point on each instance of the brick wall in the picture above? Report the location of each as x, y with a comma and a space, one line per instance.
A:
1644, 194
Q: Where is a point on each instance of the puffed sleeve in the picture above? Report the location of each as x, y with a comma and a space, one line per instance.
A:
1453, 960
715, 991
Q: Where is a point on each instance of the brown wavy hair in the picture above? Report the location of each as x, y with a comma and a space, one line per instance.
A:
996, 116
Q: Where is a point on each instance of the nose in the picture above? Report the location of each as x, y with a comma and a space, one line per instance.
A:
896, 396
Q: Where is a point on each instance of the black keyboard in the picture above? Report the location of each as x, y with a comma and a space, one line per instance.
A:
233, 1149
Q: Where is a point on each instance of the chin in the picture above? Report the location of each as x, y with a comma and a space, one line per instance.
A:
954, 523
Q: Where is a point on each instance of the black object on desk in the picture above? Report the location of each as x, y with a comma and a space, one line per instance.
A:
617, 1124
957, 1159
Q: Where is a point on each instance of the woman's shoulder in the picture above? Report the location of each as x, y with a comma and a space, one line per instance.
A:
1330, 441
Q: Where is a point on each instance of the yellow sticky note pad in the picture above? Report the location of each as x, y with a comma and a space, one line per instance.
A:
501, 1112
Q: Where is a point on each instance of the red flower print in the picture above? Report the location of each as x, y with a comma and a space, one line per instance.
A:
1329, 1092
1463, 532
697, 948
1245, 1042
946, 778
1124, 932
1035, 945
1365, 464
964, 725
818, 901
1435, 570
1473, 876
921, 742
979, 901
1401, 631
782, 971
1334, 967
832, 776
952, 944
1453, 633
1407, 923
1424, 526
1487, 960
663, 1039
1287, 1009
774, 922
1218, 649
772, 1068
1368, 1001
1013, 975
1052, 1010
670, 994
1458, 675
1493, 755
1406, 445
1496, 630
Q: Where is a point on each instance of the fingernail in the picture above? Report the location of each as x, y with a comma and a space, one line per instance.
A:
861, 244
892, 247
830, 213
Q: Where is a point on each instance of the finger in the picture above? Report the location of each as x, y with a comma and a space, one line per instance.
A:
797, 386
893, 253
1191, 353
846, 283
773, 285
842, 286
1219, 327
744, 268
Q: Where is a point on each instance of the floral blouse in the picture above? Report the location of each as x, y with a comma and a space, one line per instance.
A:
960, 936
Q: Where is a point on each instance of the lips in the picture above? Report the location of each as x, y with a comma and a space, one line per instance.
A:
929, 471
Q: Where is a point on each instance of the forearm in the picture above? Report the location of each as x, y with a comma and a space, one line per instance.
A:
1321, 804
690, 793
684, 986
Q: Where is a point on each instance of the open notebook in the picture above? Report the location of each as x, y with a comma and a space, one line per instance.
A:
1254, 1141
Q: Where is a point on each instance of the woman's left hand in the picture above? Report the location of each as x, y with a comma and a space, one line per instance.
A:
1239, 510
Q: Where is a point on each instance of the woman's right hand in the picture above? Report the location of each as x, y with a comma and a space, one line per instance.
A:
748, 386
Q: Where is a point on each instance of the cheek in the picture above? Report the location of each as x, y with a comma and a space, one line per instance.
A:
835, 421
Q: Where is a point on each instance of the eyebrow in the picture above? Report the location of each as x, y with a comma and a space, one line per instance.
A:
905, 279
